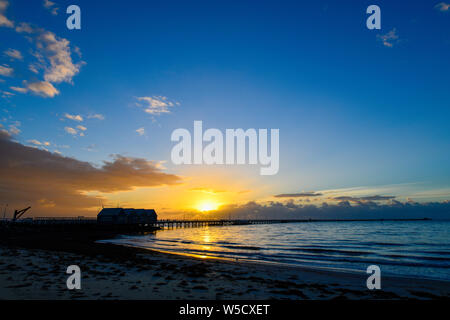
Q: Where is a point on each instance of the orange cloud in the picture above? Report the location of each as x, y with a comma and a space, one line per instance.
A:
29, 175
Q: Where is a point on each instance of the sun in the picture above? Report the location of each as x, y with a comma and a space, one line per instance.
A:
207, 206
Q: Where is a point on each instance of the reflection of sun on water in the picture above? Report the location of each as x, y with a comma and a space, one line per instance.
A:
207, 206
206, 240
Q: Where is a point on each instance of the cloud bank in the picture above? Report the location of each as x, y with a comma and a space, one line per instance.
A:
57, 185
342, 210
298, 195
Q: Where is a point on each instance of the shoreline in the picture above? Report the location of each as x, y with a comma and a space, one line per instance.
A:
281, 264
36, 270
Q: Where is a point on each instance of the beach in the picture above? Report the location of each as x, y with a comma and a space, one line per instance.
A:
37, 270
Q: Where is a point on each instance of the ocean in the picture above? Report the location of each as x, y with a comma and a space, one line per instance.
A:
405, 248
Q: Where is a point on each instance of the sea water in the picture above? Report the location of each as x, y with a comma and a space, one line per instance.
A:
405, 248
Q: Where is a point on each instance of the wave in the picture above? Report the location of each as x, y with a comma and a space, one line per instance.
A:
342, 245
242, 247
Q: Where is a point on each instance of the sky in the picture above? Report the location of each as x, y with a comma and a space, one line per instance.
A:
87, 115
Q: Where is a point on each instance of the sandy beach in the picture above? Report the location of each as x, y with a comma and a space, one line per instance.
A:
114, 272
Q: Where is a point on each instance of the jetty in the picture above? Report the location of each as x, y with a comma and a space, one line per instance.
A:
173, 223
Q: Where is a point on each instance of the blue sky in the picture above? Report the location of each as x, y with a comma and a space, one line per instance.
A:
353, 111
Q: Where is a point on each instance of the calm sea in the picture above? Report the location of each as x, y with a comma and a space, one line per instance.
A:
416, 248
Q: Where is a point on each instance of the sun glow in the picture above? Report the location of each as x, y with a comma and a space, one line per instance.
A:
206, 206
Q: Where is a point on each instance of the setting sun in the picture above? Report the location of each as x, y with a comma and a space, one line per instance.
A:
207, 206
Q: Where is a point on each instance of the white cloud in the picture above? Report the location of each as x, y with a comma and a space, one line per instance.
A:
141, 131
57, 51
19, 89
389, 39
33, 68
156, 105
13, 54
43, 88
77, 51
443, 6
74, 131
4, 21
24, 27
6, 94
14, 130
37, 142
53, 54
96, 116
49, 5
91, 148
71, 130
75, 117
6, 71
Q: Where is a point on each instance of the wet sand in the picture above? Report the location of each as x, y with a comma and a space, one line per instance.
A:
114, 272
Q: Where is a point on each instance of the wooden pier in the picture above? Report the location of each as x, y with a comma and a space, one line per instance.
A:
84, 223
175, 224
